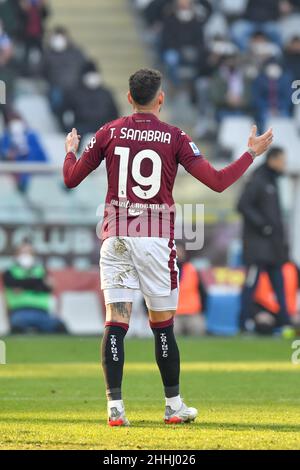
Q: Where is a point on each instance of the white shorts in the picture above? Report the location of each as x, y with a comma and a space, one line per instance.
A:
144, 263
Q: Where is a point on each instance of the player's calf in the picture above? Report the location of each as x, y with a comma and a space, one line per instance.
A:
113, 360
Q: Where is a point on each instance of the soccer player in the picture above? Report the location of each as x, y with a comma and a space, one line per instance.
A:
142, 154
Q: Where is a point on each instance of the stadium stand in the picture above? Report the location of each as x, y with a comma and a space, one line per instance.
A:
216, 58
36, 111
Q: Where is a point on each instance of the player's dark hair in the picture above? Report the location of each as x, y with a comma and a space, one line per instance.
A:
144, 85
274, 153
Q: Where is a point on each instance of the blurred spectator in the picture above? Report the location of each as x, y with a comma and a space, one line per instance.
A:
28, 295
10, 16
271, 93
192, 297
260, 16
33, 15
63, 62
91, 103
260, 50
7, 72
152, 10
182, 42
230, 90
20, 144
292, 57
218, 48
265, 245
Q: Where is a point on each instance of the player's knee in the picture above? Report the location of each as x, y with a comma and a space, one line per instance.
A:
118, 312
157, 317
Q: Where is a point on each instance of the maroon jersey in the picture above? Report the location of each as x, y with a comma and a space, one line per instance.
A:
142, 154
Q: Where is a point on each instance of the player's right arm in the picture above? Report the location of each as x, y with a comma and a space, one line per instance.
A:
74, 170
218, 180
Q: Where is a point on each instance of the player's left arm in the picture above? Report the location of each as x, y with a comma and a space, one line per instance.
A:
74, 170
218, 180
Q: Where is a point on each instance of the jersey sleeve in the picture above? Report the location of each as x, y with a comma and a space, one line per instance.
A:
74, 170
190, 157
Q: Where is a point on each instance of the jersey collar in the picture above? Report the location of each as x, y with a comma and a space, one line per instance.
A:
145, 116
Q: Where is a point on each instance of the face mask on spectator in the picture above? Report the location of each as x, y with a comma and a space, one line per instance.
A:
58, 42
273, 71
92, 80
264, 49
17, 127
25, 260
222, 47
185, 15
17, 130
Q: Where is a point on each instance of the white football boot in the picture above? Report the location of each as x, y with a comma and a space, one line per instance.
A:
117, 417
183, 415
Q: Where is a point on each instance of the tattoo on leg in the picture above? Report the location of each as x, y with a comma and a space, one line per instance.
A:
122, 308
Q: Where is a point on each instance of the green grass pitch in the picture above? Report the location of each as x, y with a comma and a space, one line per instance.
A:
52, 396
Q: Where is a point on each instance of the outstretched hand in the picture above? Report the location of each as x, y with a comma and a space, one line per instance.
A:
72, 141
259, 144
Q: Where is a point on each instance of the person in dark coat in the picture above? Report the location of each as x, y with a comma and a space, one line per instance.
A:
33, 15
292, 57
63, 61
265, 245
182, 40
260, 16
92, 104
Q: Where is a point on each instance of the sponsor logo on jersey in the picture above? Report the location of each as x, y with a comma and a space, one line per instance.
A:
134, 212
195, 149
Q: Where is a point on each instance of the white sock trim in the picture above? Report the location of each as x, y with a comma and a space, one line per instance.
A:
175, 402
115, 404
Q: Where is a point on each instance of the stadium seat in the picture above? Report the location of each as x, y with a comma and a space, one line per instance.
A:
286, 136
216, 25
70, 217
54, 145
47, 192
92, 191
13, 206
7, 185
82, 313
231, 8
289, 27
17, 216
4, 324
222, 311
36, 112
234, 134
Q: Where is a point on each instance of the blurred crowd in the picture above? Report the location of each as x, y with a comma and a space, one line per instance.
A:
234, 58
73, 82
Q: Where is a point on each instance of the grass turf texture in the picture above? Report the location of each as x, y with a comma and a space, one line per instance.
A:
52, 396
